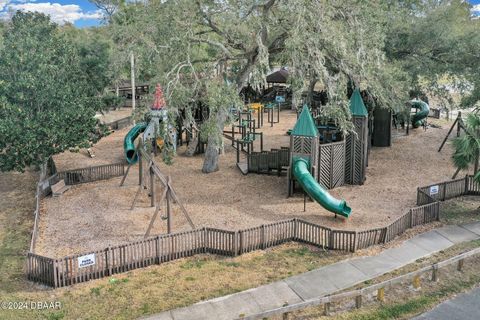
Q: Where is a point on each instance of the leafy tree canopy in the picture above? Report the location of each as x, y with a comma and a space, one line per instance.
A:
46, 102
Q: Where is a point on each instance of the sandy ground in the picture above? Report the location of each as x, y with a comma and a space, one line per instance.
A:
96, 215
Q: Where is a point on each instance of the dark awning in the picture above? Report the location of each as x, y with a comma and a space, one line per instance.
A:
279, 76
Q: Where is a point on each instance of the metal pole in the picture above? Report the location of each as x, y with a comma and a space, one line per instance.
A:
132, 78
304, 202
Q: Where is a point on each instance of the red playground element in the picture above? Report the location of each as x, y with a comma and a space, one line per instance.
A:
159, 102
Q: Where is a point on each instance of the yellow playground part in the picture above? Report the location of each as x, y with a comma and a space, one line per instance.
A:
159, 142
256, 106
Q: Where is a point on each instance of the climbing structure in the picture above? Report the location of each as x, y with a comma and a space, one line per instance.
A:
156, 129
356, 145
304, 149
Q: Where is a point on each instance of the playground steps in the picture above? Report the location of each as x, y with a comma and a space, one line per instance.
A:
59, 188
243, 166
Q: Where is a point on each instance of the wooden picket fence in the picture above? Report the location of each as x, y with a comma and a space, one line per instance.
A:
163, 248
91, 174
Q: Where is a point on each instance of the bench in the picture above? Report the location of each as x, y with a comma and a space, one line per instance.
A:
59, 188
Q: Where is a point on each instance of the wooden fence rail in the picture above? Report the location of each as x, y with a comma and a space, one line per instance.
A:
163, 248
363, 292
268, 161
120, 123
92, 174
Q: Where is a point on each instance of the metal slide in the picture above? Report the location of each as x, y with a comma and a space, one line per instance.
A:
315, 191
419, 117
129, 142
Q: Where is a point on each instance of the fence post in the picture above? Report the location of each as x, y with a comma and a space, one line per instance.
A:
107, 262
437, 210
355, 238
411, 218
444, 191
205, 240
157, 243
295, 229
358, 301
55, 280
418, 196
384, 236
327, 308
460, 264
435, 273
467, 191
235, 243
416, 282
263, 237
240, 249
331, 243
381, 294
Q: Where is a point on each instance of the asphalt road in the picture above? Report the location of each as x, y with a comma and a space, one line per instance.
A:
465, 306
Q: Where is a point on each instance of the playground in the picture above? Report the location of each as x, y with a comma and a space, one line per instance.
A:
96, 215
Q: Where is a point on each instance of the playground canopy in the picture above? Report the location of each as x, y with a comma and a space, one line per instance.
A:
279, 76
357, 107
305, 125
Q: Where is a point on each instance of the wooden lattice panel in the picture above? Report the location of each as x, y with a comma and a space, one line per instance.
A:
331, 165
356, 152
324, 166
338, 176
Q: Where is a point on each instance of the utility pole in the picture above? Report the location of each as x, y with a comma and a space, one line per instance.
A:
132, 76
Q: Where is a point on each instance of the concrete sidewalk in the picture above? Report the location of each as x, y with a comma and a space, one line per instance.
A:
325, 280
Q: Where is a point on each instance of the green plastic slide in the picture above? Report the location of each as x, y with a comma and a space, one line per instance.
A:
421, 115
129, 142
315, 191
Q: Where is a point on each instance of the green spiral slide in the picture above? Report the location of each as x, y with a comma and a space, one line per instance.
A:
419, 117
315, 191
129, 142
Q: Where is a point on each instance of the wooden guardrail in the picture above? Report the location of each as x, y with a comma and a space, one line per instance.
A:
120, 123
162, 248
358, 294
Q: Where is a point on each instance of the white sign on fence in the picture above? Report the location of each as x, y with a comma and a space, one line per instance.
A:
433, 190
87, 260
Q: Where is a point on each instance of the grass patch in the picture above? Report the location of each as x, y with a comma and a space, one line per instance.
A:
139, 292
143, 291
460, 210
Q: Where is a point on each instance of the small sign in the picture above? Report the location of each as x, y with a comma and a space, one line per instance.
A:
433, 190
279, 99
87, 260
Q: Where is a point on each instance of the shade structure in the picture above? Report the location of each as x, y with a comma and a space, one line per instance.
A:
280, 76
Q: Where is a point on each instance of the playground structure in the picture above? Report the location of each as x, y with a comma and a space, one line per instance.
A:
243, 134
420, 116
318, 157
158, 249
149, 176
157, 132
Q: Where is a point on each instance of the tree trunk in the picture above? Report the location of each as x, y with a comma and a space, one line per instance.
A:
311, 88
210, 164
192, 146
